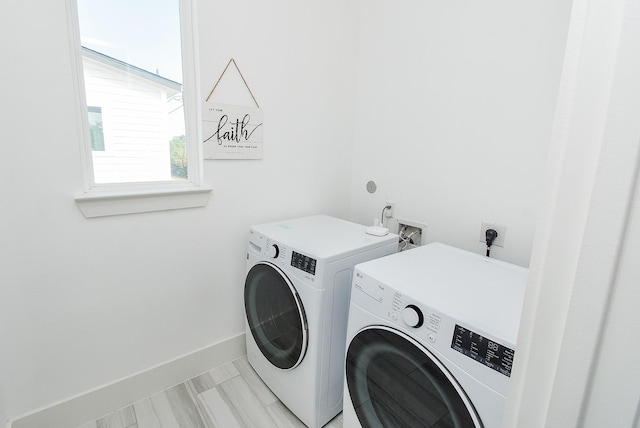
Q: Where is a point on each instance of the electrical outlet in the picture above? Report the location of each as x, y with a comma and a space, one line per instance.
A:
388, 213
502, 233
411, 234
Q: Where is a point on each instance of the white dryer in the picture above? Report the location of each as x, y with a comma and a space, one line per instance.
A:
296, 299
431, 339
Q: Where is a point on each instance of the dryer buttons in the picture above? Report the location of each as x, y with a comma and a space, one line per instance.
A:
412, 316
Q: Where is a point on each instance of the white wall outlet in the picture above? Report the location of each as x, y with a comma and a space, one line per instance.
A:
502, 233
388, 213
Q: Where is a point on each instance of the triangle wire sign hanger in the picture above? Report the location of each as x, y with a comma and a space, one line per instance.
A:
243, 80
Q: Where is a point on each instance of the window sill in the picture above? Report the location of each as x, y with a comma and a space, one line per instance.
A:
109, 202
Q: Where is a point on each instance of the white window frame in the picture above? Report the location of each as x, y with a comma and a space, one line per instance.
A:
98, 200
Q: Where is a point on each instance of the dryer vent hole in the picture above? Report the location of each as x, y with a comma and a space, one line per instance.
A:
372, 187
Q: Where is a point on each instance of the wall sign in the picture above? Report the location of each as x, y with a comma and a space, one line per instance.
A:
231, 132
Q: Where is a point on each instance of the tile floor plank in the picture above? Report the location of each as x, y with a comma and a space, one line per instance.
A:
229, 396
208, 418
245, 403
224, 373
218, 411
257, 385
184, 407
203, 382
283, 416
155, 412
128, 416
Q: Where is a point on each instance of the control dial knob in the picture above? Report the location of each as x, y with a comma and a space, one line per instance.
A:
412, 316
274, 251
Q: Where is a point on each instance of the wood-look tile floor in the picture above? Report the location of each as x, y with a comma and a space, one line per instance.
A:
230, 396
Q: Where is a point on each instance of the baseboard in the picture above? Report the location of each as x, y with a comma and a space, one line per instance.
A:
109, 398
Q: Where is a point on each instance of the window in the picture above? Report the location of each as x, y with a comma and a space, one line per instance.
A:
136, 82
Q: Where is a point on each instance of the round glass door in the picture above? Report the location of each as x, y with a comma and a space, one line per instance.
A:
275, 316
394, 382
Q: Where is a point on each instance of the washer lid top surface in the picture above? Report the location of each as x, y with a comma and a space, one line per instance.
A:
323, 236
466, 286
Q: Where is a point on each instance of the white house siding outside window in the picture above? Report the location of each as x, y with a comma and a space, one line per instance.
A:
138, 120
95, 128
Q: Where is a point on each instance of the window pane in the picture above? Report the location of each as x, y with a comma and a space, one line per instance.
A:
132, 65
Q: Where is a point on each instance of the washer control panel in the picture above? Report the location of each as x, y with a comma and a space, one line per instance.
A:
415, 317
412, 316
273, 251
488, 352
404, 312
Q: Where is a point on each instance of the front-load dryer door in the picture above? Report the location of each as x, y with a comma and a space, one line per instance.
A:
395, 382
275, 315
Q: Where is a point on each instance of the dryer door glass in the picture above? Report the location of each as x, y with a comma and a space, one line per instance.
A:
395, 382
275, 315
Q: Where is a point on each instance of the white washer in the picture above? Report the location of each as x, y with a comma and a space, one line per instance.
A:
296, 299
431, 339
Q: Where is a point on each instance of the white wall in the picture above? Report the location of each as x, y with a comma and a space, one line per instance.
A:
454, 112
581, 303
87, 302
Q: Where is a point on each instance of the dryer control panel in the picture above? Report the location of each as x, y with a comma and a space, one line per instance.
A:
304, 263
